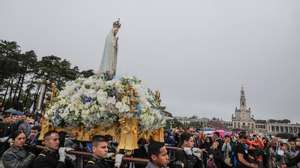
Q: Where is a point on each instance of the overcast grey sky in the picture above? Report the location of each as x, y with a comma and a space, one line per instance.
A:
198, 53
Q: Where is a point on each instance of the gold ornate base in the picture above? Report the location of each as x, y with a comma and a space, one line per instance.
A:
125, 133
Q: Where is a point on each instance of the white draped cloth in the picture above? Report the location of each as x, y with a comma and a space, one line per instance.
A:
109, 58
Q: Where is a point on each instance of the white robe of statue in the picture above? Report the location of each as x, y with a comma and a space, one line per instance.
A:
109, 58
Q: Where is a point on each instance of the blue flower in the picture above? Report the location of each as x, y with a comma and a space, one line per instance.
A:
86, 99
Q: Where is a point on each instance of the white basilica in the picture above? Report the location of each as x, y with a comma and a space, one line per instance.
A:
242, 118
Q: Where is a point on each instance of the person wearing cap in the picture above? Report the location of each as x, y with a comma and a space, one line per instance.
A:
100, 152
242, 154
158, 155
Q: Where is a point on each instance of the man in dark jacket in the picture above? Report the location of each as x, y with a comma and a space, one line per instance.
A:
100, 151
52, 156
158, 155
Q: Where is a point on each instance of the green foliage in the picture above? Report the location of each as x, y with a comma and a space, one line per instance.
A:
21, 74
87, 73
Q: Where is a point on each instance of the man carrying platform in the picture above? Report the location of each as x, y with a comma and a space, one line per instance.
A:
158, 154
100, 151
53, 156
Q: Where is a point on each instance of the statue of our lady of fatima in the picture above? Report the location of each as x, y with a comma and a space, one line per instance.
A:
109, 60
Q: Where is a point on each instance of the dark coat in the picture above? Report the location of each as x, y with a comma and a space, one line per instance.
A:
184, 160
17, 158
48, 159
99, 163
218, 157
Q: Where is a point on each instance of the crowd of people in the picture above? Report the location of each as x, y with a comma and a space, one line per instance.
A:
20, 147
239, 150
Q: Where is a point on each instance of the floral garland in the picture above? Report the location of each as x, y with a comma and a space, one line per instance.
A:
95, 101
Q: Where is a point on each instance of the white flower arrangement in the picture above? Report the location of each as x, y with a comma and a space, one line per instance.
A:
95, 101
